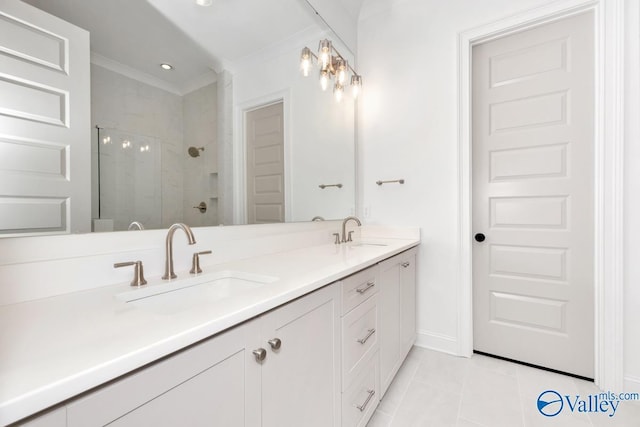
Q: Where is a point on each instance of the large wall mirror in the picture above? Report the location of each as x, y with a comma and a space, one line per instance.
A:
231, 133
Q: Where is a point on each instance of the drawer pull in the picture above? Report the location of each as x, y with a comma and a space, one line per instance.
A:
366, 288
366, 338
406, 264
366, 402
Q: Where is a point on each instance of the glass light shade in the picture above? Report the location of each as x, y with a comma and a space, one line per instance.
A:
324, 79
338, 91
356, 85
341, 71
324, 53
305, 61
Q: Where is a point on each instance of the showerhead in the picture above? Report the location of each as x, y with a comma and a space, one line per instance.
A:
195, 151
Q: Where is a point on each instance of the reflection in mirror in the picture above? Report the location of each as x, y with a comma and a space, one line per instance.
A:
230, 63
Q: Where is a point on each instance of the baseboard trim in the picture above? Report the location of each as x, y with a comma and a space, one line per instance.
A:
438, 342
631, 384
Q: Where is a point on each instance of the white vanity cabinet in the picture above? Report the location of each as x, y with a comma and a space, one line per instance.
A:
360, 344
397, 283
322, 360
301, 379
222, 382
214, 382
55, 418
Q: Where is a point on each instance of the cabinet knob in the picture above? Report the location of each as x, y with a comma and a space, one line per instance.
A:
260, 354
479, 237
405, 264
275, 343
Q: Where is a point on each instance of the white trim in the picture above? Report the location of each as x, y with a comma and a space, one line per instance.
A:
609, 214
203, 80
438, 342
240, 153
609, 173
632, 384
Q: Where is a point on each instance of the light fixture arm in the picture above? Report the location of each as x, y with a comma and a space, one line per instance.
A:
341, 56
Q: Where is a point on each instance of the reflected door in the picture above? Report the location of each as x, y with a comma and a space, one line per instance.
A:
533, 196
45, 176
265, 164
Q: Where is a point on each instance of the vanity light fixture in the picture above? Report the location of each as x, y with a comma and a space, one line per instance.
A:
166, 66
332, 66
204, 3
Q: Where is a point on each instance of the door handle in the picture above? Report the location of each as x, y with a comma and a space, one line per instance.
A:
480, 237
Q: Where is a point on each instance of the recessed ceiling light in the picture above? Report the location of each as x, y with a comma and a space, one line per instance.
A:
166, 66
204, 2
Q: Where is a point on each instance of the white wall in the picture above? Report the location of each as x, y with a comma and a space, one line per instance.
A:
632, 199
321, 131
407, 53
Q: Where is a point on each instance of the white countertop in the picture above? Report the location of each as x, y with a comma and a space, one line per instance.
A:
55, 348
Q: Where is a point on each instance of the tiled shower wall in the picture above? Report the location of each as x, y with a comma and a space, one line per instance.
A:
201, 173
134, 107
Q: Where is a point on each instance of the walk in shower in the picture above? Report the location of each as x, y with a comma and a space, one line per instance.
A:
129, 182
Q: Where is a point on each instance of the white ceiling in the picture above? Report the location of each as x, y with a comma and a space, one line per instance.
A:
141, 34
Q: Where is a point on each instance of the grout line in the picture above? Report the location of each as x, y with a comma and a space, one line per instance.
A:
520, 397
464, 385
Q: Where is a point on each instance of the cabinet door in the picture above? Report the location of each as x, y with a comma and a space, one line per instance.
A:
55, 418
389, 324
301, 379
215, 383
407, 301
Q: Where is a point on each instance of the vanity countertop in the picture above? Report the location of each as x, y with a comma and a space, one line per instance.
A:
55, 348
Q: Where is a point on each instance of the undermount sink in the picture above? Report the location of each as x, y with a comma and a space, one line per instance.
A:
361, 244
174, 296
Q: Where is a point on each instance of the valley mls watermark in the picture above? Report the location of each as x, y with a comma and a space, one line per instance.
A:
551, 403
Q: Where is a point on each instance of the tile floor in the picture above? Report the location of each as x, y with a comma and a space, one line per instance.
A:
435, 389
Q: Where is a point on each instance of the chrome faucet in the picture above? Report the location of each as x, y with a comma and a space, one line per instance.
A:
347, 237
168, 262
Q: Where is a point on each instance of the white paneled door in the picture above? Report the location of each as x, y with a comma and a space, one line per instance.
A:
45, 135
265, 164
533, 197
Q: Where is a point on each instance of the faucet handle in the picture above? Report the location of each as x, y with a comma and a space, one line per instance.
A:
337, 240
138, 272
349, 239
195, 262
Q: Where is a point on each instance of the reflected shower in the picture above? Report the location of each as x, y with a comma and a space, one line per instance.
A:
195, 151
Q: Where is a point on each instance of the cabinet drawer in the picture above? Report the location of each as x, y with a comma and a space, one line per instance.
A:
359, 338
361, 398
358, 287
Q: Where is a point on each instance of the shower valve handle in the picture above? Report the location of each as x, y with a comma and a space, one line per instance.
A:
202, 207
